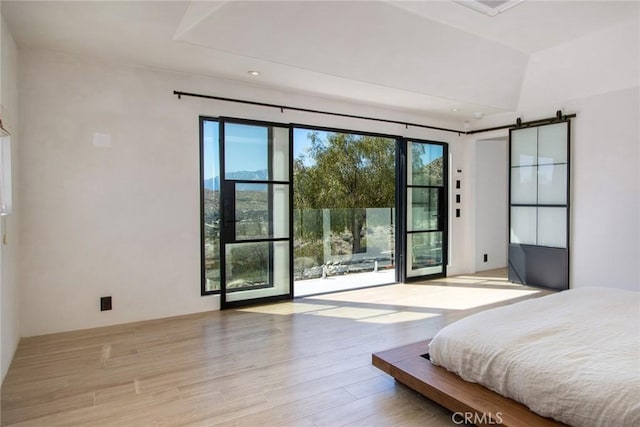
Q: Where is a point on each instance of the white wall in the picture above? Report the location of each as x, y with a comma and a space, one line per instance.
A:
461, 231
124, 220
491, 203
9, 298
605, 181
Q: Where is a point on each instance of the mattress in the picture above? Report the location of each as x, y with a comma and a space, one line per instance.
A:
573, 356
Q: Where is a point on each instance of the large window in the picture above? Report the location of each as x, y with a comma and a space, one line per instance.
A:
321, 209
210, 202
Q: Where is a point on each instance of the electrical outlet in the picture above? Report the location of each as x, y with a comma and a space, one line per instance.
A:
486, 257
105, 303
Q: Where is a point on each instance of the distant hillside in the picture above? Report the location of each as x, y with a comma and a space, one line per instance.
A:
214, 183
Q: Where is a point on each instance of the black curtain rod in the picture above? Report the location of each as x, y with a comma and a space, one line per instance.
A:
519, 123
308, 110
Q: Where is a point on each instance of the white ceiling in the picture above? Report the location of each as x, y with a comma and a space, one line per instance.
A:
426, 56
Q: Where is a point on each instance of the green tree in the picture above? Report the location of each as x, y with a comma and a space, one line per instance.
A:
348, 172
426, 173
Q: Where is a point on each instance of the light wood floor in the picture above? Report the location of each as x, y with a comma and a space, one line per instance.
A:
300, 363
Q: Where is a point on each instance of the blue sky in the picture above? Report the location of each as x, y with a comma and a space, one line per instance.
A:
211, 156
250, 150
246, 151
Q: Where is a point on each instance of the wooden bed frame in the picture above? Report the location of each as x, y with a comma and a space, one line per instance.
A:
408, 366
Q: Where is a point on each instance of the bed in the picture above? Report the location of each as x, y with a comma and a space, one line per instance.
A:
571, 357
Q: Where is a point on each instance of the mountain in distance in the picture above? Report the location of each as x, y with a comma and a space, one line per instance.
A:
213, 184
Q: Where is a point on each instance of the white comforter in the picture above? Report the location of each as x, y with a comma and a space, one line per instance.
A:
573, 356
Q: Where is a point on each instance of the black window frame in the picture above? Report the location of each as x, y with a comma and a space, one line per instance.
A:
400, 220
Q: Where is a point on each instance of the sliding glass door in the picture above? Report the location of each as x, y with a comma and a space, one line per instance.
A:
366, 204
539, 205
425, 243
256, 216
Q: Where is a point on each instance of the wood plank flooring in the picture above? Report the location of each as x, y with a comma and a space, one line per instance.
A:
300, 363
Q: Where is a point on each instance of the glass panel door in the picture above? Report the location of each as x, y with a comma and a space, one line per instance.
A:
256, 245
539, 205
426, 210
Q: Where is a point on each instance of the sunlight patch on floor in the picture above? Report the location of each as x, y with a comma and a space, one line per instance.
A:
287, 308
476, 279
463, 280
366, 315
464, 298
355, 313
399, 317
400, 303
438, 297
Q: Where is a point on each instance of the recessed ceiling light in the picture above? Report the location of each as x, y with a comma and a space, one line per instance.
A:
253, 73
455, 110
